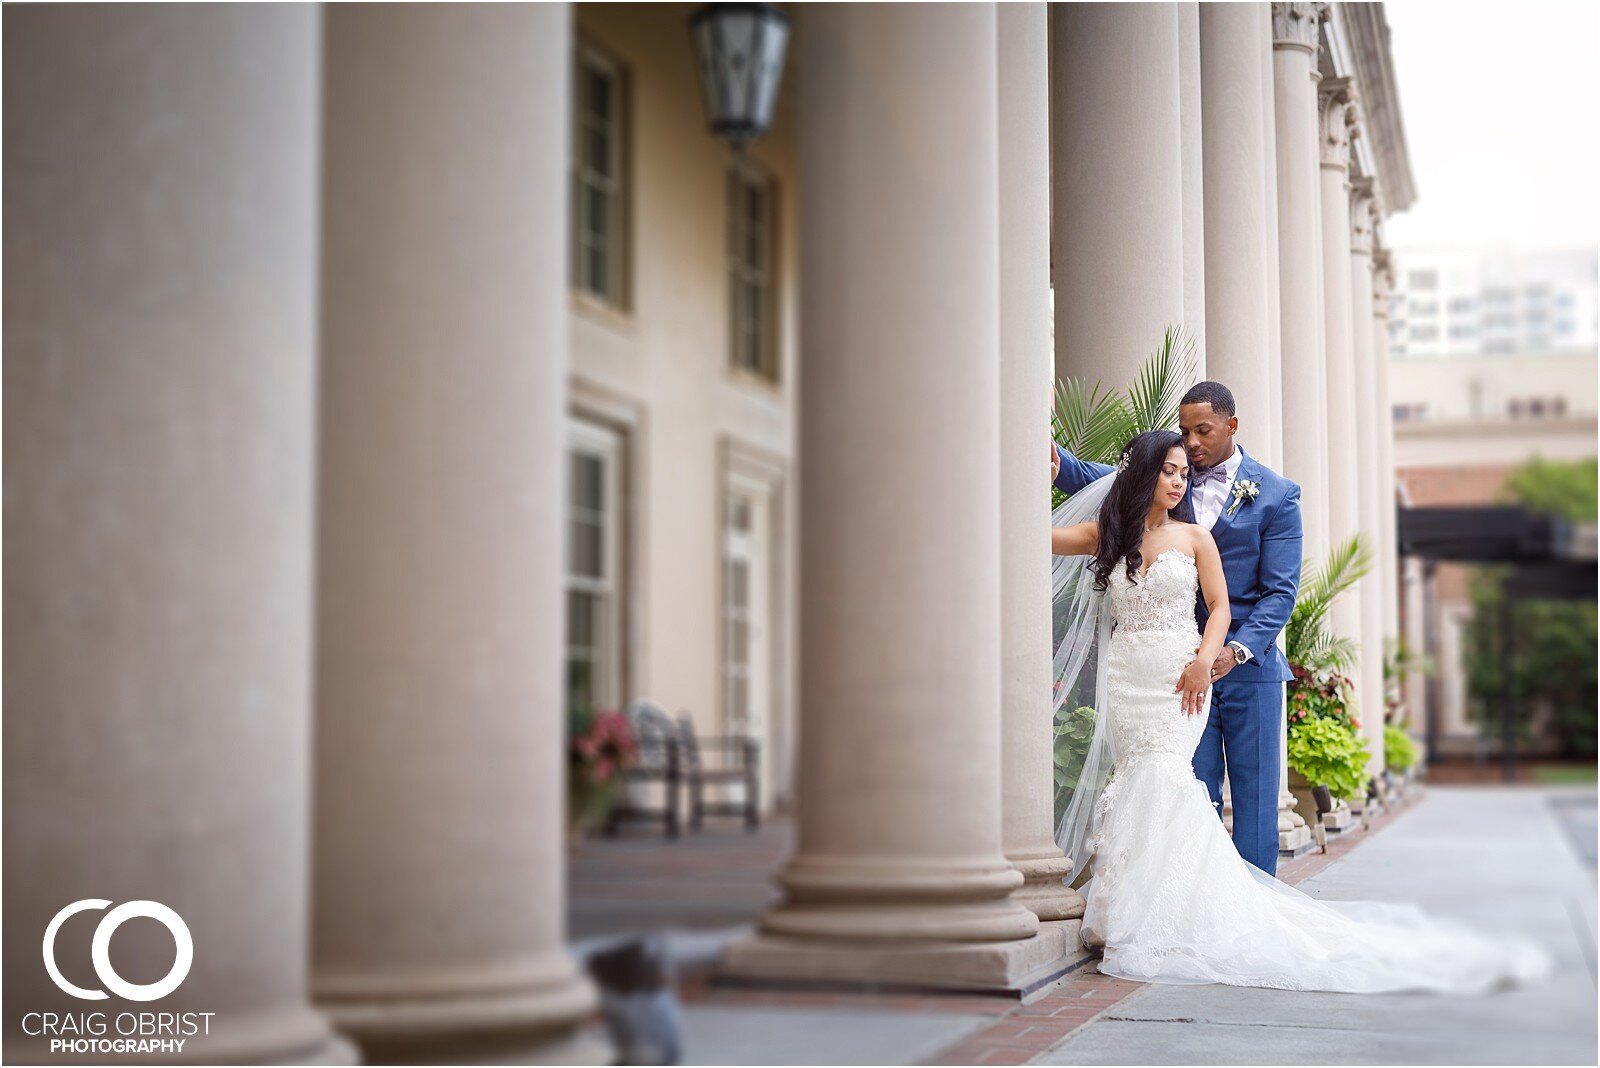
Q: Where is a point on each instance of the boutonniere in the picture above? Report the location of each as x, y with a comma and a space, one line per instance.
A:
1243, 490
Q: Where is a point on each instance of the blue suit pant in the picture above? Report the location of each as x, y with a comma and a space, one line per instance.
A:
1242, 729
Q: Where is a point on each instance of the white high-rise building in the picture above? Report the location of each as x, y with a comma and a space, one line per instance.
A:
1492, 302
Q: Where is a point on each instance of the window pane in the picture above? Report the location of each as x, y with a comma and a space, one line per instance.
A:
588, 481
752, 304
580, 621
597, 213
594, 277
739, 584
597, 93
580, 681
597, 151
586, 549
739, 700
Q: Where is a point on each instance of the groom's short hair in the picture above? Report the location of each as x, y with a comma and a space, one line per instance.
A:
1219, 396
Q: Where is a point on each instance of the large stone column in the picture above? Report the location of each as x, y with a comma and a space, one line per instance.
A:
1194, 187
1305, 448
899, 874
1271, 296
1368, 472
160, 391
1237, 147
1117, 191
1382, 282
1336, 99
440, 763
1241, 249
1027, 764
1415, 692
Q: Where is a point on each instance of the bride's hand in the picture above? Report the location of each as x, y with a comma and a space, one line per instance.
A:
1192, 684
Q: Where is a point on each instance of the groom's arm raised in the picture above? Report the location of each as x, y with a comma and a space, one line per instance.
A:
1073, 474
1279, 575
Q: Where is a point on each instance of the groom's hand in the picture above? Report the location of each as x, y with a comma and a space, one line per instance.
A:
1224, 663
1055, 461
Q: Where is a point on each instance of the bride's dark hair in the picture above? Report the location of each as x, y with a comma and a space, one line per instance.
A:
1123, 512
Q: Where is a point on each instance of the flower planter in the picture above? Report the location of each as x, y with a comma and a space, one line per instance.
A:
1304, 802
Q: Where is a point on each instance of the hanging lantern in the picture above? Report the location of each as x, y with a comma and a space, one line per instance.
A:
740, 49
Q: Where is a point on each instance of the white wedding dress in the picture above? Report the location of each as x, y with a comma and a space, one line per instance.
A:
1172, 900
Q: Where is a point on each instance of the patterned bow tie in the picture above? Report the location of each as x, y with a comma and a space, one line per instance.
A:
1202, 475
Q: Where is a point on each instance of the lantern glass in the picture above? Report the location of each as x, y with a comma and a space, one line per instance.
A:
740, 48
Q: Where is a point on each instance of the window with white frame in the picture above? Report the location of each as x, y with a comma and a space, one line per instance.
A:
594, 538
598, 169
751, 230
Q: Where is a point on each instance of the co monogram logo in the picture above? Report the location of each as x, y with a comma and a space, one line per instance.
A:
100, 954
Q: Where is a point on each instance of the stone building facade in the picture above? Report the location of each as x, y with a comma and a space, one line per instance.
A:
355, 356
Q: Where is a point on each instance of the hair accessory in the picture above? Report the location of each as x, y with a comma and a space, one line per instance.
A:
1122, 464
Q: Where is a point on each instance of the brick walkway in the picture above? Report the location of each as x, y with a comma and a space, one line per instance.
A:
726, 875
1024, 1032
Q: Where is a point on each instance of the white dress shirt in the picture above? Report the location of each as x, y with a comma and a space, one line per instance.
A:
1209, 499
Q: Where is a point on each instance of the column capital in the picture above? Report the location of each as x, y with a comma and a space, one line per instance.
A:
1336, 104
1296, 25
1364, 212
1382, 279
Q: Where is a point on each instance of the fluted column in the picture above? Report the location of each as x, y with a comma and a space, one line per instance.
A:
1028, 741
1368, 473
160, 391
899, 873
1295, 113
1117, 190
440, 844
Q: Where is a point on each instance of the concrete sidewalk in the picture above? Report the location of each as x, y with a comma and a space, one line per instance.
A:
1506, 860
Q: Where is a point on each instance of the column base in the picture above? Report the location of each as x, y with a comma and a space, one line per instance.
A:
1012, 969
1338, 821
1294, 837
1043, 893
1295, 843
476, 1017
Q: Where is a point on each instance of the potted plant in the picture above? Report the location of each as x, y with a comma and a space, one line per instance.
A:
1325, 748
600, 748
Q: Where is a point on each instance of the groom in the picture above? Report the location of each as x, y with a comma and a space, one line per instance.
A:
1254, 516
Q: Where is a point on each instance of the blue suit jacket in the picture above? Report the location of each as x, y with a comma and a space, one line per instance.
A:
1260, 548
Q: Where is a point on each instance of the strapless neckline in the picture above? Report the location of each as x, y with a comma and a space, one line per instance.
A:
1146, 570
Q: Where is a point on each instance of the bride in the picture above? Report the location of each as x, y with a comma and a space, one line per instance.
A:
1170, 898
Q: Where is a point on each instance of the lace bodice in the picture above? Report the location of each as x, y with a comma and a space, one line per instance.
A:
1162, 601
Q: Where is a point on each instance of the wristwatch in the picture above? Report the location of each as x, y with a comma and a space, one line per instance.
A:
1241, 653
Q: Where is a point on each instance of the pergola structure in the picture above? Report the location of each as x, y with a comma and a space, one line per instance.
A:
1548, 558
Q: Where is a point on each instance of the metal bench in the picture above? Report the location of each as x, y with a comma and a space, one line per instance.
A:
671, 754
734, 761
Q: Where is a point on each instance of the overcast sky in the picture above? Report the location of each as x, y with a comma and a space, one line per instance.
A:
1499, 104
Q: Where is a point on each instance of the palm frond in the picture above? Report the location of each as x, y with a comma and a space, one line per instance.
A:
1153, 397
1089, 423
1308, 641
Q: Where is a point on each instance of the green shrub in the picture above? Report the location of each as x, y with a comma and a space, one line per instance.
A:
1074, 731
1328, 754
1399, 751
